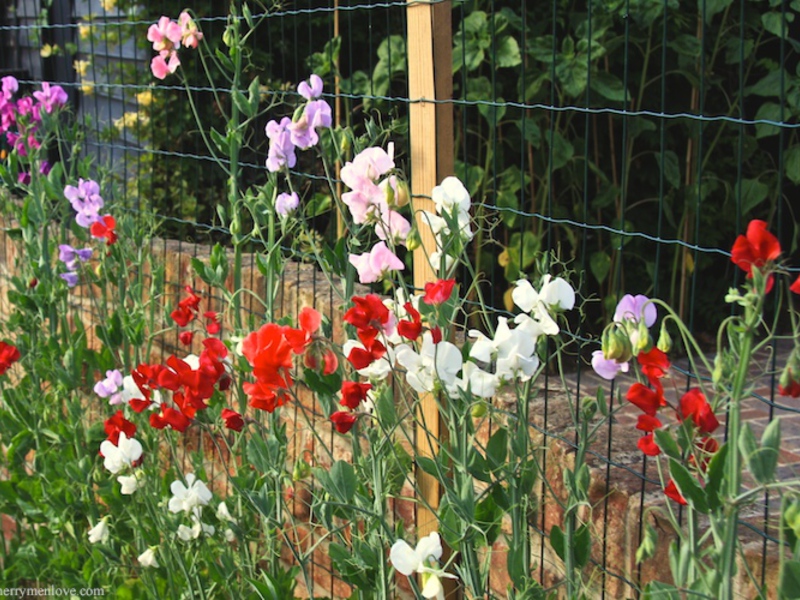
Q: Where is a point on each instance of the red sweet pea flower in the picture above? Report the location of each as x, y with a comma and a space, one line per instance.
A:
671, 491
103, 228
369, 316
706, 447
361, 358
233, 420
795, 287
436, 335
116, 424
655, 365
185, 337
169, 416
694, 404
646, 399
648, 445
330, 362
648, 423
343, 421
8, 356
410, 329
263, 396
755, 249
353, 393
187, 308
300, 339
212, 326
438, 292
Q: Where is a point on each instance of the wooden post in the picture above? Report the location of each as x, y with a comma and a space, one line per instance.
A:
430, 77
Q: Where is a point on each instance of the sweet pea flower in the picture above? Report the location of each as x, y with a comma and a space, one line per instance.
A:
408, 560
434, 362
70, 277
392, 225
281, 149
378, 369
312, 88
165, 35
50, 97
100, 532
372, 266
451, 196
190, 35
286, 203
188, 497
477, 381
10, 86
607, 368
129, 483
126, 453
147, 559
164, 63
86, 201
109, 387
633, 308
192, 533
303, 132
72, 257
367, 166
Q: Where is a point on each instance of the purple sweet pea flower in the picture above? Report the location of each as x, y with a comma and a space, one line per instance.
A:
24, 178
110, 387
70, 256
631, 308
71, 278
311, 89
605, 367
281, 148
286, 203
86, 201
51, 96
316, 113
45, 168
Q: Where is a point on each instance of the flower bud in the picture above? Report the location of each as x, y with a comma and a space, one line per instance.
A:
664, 340
644, 343
402, 195
228, 36
413, 240
479, 409
789, 383
616, 344
301, 470
589, 408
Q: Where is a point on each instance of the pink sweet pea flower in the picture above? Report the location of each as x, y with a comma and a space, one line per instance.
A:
392, 225
189, 32
10, 86
161, 68
165, 35
373, 265
369, 165
607, 368
281, 148
50, 97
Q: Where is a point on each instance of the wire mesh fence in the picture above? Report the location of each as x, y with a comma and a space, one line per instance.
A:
626, 142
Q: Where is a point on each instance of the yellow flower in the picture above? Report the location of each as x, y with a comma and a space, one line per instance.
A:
84, 31
87, 87
81, 66
144, 98
47, 50
108, 5
130, 120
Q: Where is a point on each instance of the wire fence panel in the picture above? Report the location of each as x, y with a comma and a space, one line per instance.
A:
622, 144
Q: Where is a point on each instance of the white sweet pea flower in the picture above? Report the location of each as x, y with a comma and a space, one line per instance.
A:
100, 532
555, 293
129, 483
223, 514
449, 195
147, 559
230, 537
130, 391
408, 560
477, 381
192, 533
442, 361
188, 497
124, 454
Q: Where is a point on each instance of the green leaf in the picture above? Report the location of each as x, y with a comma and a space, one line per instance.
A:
775, 24
339, 481
661, 591
582, 545
561, 150
428, 466
557, 541
600, 265
573, 74
712, 8
789, 586
242, 103
769, 111
219, 141
688, 486
670, 168
761, 461
254, 95
507, 52
609, 86
768, 86
648, 546
752, 193
715, 474
497, 449
792, 164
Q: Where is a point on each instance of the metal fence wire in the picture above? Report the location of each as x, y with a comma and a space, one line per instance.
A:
628, 141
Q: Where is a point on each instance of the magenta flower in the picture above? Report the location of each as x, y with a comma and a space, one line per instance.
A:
45, 168
281, 148
372, 266
10, 86
286, 203
86, 201
311, 89
50, 97
24, 178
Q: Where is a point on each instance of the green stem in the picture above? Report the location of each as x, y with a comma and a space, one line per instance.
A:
234, 147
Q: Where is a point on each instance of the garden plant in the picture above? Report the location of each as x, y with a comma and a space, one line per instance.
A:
157, 471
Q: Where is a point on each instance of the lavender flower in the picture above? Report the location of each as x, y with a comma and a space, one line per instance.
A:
86, 201
281, 148
286, 203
